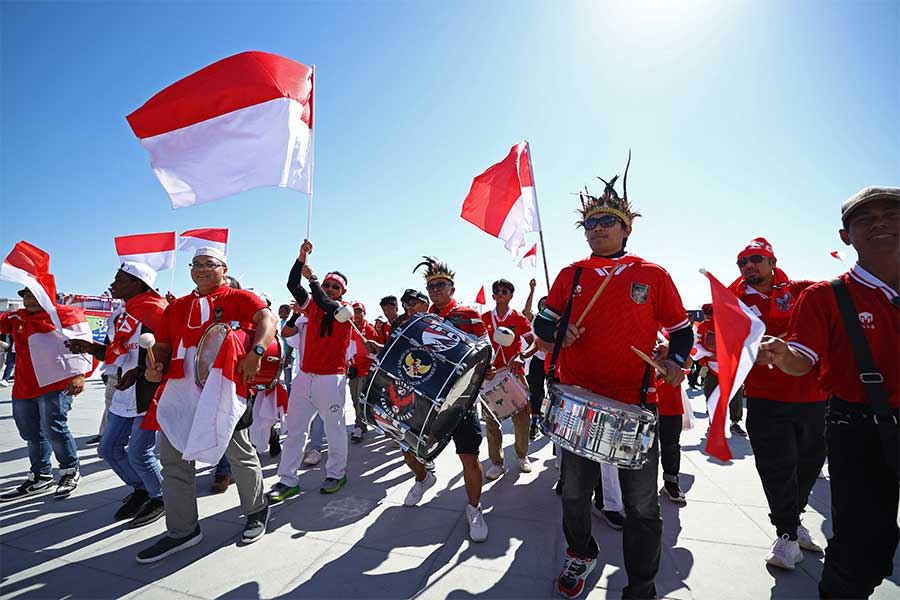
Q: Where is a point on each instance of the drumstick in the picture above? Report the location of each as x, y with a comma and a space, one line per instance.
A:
146, 341
594, 299
650, 361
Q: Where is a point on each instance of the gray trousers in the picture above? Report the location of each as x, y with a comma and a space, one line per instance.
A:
180, 490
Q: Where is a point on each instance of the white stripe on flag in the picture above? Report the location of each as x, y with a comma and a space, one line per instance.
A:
17, 275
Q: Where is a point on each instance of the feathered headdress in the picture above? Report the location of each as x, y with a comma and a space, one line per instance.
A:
609, 202
434, 269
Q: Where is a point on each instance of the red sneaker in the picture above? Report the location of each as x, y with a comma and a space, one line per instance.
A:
571, 580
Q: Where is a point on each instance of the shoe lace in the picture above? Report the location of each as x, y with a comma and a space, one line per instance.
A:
573, 567
67, 479
477, 518
780, 547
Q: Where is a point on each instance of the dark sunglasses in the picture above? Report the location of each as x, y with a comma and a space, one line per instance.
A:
502, 292
433, 287
330, 286
605, 222
754, 258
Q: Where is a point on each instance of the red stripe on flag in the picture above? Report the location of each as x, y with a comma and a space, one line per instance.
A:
145, 243
525, 166
29, 258
480, 298
236, 82
493, 194
212, 235
532, 252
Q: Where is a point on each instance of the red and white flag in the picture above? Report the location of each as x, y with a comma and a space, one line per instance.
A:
243, 122
30, 266
502, 201
529, 259
156, 250
480, 299
204, 238
837, 255
738, 335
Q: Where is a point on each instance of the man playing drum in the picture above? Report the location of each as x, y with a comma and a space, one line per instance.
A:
596, 355
183, 323
507, 359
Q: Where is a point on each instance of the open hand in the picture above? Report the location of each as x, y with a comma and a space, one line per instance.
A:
76, 386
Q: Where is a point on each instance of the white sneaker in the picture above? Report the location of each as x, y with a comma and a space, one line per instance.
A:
312, 457
524, 465
785, 553
418, 489
478, 529
4, 383
495, 472
806, 541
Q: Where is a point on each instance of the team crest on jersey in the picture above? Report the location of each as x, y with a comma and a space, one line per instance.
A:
640, 292
785, 302
577, 291
867, 320
416, 365
439, 339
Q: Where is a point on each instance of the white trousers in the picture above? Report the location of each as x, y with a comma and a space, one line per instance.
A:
311, 394
612, 492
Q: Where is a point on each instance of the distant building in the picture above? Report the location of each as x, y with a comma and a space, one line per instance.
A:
10, 304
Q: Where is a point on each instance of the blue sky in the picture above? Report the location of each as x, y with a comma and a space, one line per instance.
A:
744, 119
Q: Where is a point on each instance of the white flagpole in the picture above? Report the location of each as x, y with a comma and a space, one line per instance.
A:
538, 211
312, 150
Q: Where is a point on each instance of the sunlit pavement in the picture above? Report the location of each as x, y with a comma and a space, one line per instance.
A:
362, 542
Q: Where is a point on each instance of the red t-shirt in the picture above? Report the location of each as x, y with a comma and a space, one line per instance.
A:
515, 321
817, 331
21, 324
668, 398
382, 331
462, 317
637, 302
361, 359
228, 304
324, 354
775, 384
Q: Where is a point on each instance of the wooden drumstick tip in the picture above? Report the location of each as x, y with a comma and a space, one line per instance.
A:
702, 271
650, 361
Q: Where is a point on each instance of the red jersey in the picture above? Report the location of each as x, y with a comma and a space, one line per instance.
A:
382, 331
519, 326
22, 324
668, 399
775, 309
361, 359
461, 317
227, 305
639, 300
817, 331
325, 351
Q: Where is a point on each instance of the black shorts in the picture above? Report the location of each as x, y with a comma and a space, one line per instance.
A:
467, 435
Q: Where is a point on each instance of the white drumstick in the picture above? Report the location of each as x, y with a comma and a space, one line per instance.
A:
344, 314
147, 341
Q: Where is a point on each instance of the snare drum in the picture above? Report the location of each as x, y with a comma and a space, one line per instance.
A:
270, 365
423, 382
599, 428
504, 395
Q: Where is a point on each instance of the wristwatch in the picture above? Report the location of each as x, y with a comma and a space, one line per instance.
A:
259, 350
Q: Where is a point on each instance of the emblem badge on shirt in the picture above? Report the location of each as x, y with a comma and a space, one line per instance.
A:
577, 291
217, 312
867, 320
640, 292
785, 302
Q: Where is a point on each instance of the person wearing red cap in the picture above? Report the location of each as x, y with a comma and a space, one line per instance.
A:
706, 351
863, 391
360, 363
784, 413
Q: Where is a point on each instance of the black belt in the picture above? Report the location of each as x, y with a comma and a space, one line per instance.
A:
839, 410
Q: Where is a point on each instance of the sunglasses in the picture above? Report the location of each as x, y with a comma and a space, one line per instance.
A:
605, 222
209, 266
330, 286
754, 258
502, 292
433, 287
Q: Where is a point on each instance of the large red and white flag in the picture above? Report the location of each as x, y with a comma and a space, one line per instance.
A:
529, 259
204, 238
30, 266
243, 122
738, 334
156, 250
502, 201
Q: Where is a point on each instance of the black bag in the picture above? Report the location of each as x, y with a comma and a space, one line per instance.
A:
872, 379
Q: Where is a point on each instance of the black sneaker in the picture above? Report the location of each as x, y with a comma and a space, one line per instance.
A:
274, 444
67, 483
35, 484
256, 526
166, 546
614, 519
331, 485
736, 430
131, 505
673, 492
92, 441
152, 510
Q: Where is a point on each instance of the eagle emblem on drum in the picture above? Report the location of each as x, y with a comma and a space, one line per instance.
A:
415, 367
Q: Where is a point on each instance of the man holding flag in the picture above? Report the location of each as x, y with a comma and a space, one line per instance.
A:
48, 376
596, 354
784, 413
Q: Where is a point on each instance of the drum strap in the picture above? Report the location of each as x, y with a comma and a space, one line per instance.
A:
561, 330
645, 384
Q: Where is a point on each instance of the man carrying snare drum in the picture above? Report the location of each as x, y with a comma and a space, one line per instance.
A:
596, 354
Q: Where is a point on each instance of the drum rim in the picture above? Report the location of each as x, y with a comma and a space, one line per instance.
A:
211, 327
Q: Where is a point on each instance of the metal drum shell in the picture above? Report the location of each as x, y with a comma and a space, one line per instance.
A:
271, 363
509, 387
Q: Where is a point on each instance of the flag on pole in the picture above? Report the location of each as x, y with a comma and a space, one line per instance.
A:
839, 256
502, 201
529, 259
30, 266
156, 250
204, 238
480, 299
738, 334
243, 122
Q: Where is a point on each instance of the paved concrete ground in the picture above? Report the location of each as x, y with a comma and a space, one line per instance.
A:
361, 542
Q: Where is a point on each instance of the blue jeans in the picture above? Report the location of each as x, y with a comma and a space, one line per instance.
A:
137, 466
10, 364
42, 423
316, 434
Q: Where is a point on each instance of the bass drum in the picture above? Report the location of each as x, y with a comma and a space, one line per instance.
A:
423, 382
211, 342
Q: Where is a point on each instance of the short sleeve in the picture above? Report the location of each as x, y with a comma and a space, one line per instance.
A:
809, 329
559, 292
670, 311
6, 323
250, 304
523, 325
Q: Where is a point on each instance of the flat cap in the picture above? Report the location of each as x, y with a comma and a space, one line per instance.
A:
866, 195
